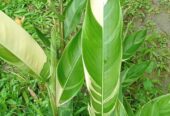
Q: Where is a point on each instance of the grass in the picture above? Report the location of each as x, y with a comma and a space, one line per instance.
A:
16, 99
35, 13
139, 15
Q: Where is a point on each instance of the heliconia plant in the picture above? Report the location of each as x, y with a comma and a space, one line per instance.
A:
102, 54
95, 53
19, 49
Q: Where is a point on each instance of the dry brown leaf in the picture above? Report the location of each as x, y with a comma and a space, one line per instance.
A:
19, 21
32, 93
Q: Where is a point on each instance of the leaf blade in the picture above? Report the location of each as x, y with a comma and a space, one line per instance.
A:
132, 43
18, 48
134, 73
42, 37
101, 49
73, 16
70, 71
159, 106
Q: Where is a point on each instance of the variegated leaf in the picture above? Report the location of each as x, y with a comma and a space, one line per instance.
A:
102, 54
70, 71
18, 48
73, 16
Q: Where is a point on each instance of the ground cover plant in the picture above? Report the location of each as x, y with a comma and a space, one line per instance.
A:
83, 44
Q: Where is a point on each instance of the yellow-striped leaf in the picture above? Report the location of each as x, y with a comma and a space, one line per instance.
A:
102, 54
73, 16
18, 48
70, 71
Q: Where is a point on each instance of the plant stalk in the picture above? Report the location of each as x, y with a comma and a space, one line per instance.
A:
57, 32
53, 79
61, 24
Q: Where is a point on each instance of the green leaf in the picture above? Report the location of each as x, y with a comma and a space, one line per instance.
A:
134, 73
151, 67
159, 106
73, 15
11, 102
128, 108
132, 43
119, 110
70, 71
102, 54
18, 48
42, 36
19, 77
66, 109
25, 97
148, 85
79, 111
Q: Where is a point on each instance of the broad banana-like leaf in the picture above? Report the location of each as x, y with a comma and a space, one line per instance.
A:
66, 109
70, 71
132, 43
18, 48
119, 110
157, 107
73, 15
102, 54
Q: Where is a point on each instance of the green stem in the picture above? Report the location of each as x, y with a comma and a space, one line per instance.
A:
61, 28
52, 101
53, 79
57, 29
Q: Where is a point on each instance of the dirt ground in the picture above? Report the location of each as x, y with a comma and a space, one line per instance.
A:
162, 21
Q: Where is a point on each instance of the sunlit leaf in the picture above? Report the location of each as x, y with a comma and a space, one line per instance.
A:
119, 110
73, 15
102, 54
66, 109
70, 71
159, 106
18, 48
